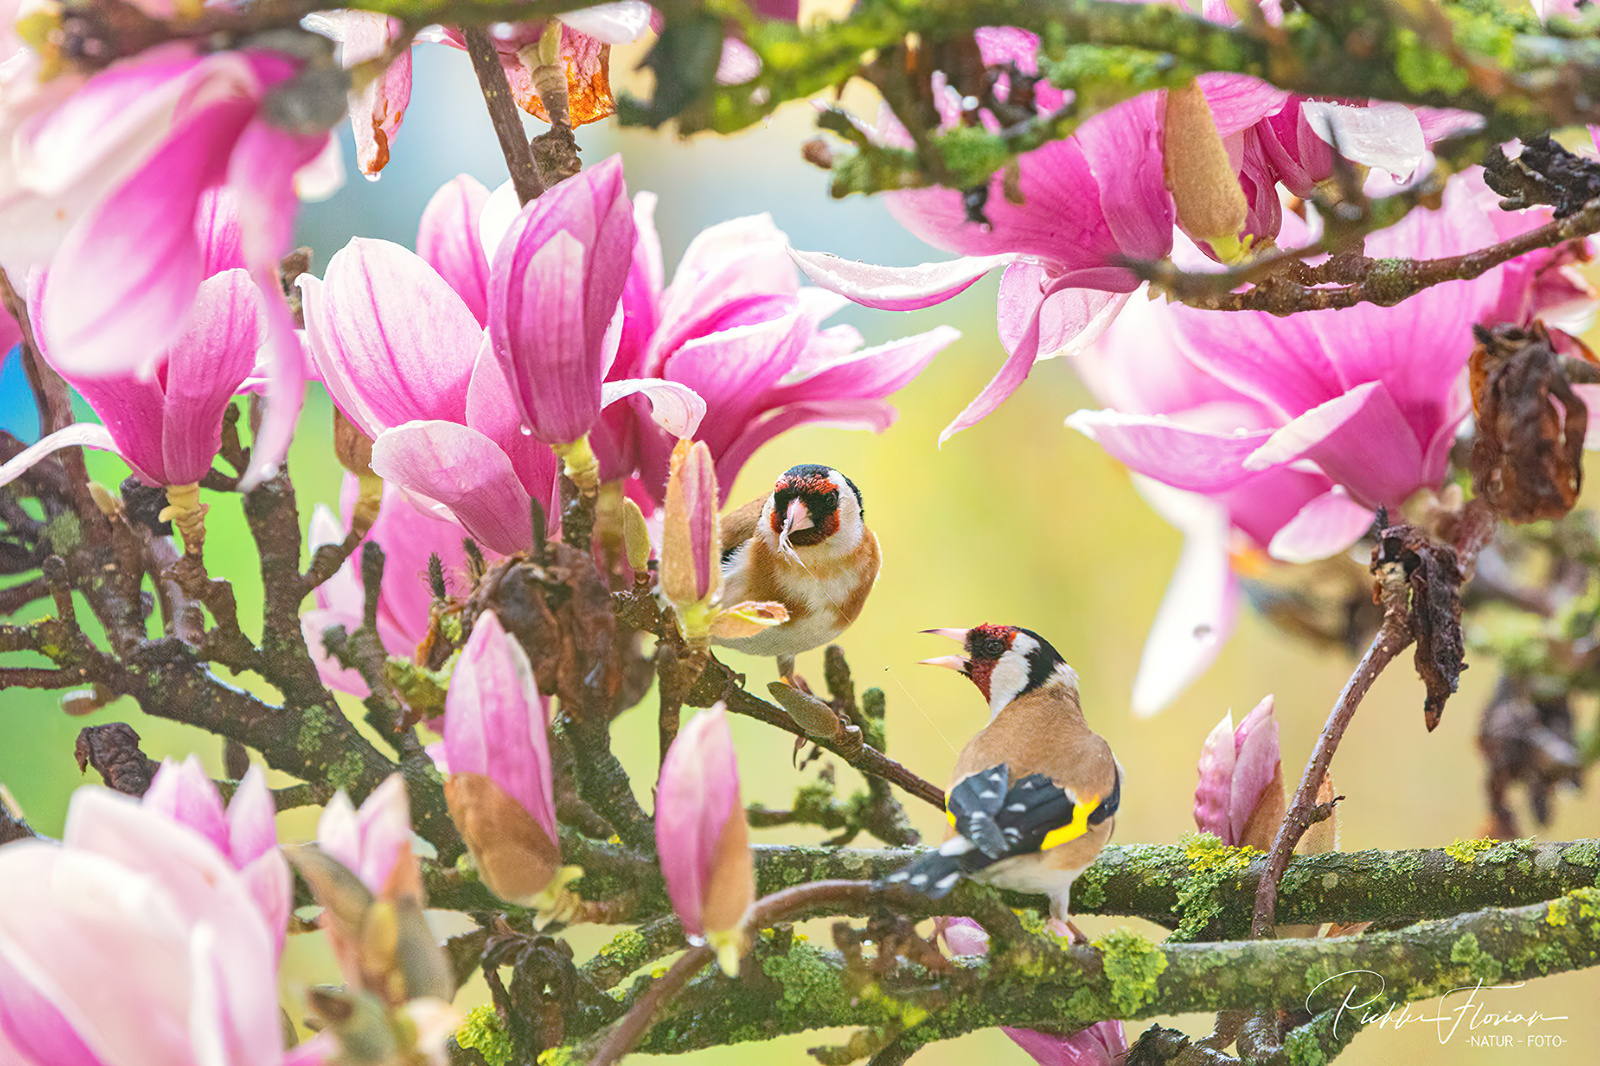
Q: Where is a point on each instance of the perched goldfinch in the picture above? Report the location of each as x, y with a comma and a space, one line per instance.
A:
807, 547
1034, 795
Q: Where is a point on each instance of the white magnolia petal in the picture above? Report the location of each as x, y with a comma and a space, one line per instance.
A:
1197, 612
1383, 135
896, 288
84, 434
675, 407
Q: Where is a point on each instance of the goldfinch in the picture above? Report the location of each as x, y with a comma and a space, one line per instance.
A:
1034, 795
807, 547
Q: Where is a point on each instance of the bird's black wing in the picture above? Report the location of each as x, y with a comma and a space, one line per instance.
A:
994, 823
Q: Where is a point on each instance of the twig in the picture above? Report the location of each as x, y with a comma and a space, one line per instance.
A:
717, 682
1384, 282
1393, 637
503, 113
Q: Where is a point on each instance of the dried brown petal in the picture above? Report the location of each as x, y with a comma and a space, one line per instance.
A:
113, 750
1527, 458
515, 857
1434, 574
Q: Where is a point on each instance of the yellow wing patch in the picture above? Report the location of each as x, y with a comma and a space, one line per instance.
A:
1074, 829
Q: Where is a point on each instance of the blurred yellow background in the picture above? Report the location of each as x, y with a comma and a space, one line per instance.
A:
1016, 521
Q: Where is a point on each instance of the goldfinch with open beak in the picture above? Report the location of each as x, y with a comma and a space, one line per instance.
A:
1034, 795
807, 547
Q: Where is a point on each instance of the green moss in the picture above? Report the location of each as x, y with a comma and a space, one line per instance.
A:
347, 771
809, 983
1577, 904
314, 725
556, 1056
1212, 864
483, 1032
1479, 963
1583, 853
1089, 892
1132, 965
64, 532
1468, 850
1303, 1048
1509, 851
973, 153
627, 943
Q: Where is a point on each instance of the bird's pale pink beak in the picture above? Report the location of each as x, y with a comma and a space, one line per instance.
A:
798, 517
958, 663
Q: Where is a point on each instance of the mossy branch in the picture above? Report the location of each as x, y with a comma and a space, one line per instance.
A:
789, 985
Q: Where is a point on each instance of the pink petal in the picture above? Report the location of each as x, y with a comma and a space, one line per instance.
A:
1239, 101
1256, 766
1380, 134
873, 415
1213, 793
896, 288
1360, 440
1182, 456
392, 340
125, 276
286, 386
870, 373
464, 471
615, 23
1069, 319
447, 239
207, 363
492, 410
1325, 526
184, 793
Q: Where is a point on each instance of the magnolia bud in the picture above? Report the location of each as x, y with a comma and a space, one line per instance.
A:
1205, 190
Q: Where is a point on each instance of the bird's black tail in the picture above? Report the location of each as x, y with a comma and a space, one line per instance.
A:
933, 875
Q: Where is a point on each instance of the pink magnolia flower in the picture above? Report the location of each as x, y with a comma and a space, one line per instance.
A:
497, 752
1287, 433
703, 839
554, 288
1101, 1044
103, 181
404, 356
405, 360
1240, 794
1099, 198
736, 326
245, 831
134, 940
408, 538
167, 425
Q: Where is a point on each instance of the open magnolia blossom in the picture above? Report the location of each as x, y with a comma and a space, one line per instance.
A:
404, 351
691, 555
102, 182
1067, 220
141, 938
1284, 434
496, 750
703, 839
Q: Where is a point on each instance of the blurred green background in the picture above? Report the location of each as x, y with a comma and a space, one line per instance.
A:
1016, 521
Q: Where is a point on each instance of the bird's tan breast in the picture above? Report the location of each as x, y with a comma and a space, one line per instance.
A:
1042, 732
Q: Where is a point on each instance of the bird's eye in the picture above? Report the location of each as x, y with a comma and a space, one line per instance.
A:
990, 647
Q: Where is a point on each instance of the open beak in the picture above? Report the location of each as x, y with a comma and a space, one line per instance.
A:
797, 518
958, 663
